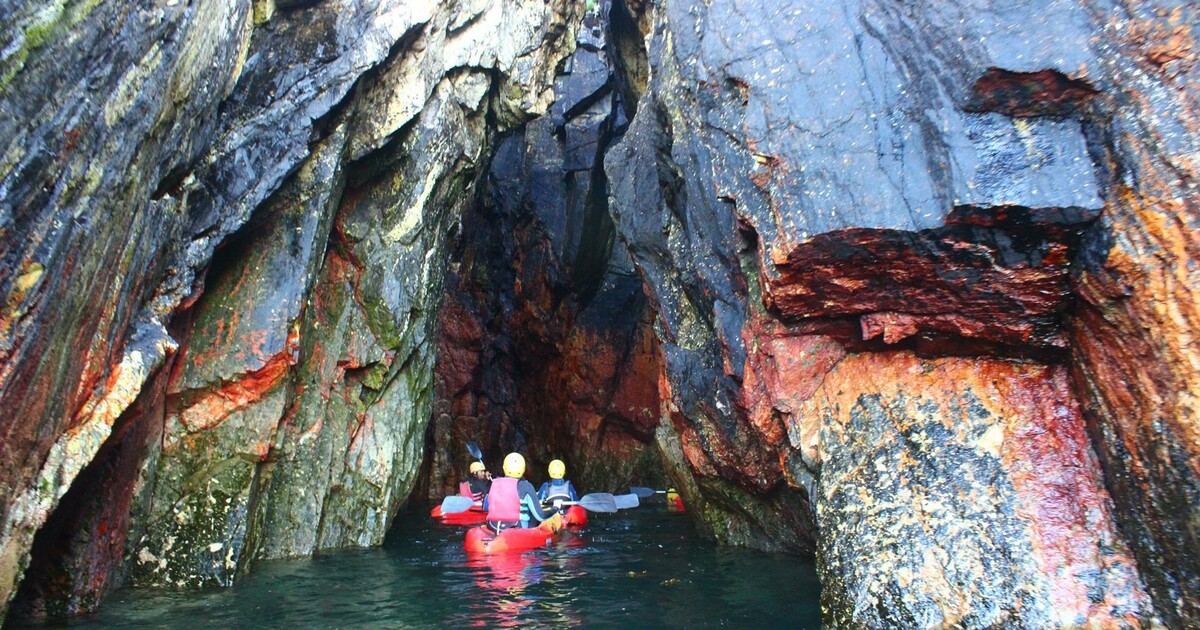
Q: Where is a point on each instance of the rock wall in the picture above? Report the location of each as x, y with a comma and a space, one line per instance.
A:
907, 286
276, 182
891, 244
964, 491
1134, 361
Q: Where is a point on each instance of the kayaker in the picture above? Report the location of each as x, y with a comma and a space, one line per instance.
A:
479, 482
512, 501
558, 489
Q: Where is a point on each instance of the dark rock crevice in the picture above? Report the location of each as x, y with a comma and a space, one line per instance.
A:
556, 335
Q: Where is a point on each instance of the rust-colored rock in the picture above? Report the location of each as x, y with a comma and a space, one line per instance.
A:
999, 286
1136, 363
909, 537
78, 556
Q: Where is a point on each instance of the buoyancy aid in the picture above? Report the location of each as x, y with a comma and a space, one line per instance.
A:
504, 504
557, 489
464, 490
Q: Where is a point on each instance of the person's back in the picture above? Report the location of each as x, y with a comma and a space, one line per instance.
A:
558, 489
504, 503
512, 501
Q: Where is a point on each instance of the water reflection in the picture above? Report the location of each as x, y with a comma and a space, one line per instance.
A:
503, 597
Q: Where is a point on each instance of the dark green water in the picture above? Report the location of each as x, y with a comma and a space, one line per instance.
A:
641, 568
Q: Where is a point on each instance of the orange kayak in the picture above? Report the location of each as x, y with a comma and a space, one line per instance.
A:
473, 516
484, 539
575, 516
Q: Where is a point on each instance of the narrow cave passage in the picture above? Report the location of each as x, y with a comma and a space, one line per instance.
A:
546, 343
897, 299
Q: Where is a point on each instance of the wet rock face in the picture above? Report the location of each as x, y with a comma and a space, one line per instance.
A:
895, 210
276, 183
958, 480
1135, 361
804, 184
545, 345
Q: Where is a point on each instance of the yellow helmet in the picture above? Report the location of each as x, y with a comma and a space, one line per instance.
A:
558, 469
514, 465
477, 467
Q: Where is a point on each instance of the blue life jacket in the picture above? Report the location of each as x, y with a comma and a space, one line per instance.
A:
557, 489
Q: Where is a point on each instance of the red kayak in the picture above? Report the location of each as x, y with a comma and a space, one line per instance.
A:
484, 539
575, 516
473, 516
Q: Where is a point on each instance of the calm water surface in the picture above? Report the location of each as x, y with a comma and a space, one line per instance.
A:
641, 568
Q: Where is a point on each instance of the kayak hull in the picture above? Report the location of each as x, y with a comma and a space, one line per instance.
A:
473, 516
484, 539
575, 516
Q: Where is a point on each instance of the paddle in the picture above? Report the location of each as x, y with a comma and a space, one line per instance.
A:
455, 504
596, 502
626, 501
473, 449
645, 492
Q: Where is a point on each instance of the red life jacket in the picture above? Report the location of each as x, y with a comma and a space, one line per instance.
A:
503, 502
464, 490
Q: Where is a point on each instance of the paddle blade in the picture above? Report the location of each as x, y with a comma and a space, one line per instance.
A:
473, 449
598, 502
626, 501
455, 504
642, 492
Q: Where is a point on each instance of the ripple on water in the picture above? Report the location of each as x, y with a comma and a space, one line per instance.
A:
641, 568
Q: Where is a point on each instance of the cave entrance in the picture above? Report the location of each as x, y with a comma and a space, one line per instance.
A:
545, 337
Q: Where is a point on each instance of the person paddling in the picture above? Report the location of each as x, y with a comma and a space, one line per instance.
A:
512, 501
558, 489
477, 484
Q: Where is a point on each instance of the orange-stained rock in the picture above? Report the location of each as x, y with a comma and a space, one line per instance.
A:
781, 375
1136, 370
986, 276
963, 491
1135, 361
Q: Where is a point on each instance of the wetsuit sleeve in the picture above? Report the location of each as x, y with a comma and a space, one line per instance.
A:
543, 490
525, 491
571, 489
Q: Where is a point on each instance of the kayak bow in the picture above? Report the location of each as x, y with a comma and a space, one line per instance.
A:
575, 516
